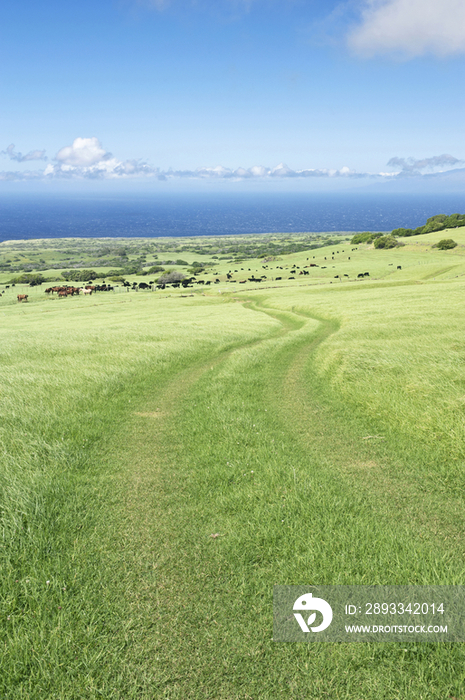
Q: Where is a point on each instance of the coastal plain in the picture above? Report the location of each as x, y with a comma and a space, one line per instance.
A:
169, 455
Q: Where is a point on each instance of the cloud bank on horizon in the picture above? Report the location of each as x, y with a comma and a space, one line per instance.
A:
86, 158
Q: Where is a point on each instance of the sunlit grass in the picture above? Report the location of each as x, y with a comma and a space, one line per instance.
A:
316, 431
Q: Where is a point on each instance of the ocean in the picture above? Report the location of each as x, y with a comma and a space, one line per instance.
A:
176, 215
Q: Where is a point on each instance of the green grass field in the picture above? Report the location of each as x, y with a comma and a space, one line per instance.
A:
315, 426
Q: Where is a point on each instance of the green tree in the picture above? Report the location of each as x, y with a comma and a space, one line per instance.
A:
79, 275
173, 276
365, 237
32, 279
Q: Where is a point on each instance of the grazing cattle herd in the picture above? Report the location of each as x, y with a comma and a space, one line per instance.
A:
63, 291
71, 291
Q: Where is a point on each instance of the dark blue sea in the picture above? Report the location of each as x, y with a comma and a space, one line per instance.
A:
32, 216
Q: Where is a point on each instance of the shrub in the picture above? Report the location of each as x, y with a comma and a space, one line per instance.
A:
386, 242
445, 244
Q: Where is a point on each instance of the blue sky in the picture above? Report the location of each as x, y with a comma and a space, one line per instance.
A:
179, 93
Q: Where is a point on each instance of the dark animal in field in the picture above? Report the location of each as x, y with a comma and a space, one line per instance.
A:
314, 264
278, 278
399, 267
208, 282
389, 264
366, 274
361, 274
22, 297
345, 275
144, 285
200, 281
336, 277
291, 278
324, 267
242, 281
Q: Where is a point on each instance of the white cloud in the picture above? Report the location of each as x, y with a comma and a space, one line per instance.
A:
87, 159
410, 28
83, 152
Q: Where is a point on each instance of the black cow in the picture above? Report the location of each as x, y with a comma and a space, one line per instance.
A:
399, 267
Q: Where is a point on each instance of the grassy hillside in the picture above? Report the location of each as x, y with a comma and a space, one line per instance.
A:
167, 459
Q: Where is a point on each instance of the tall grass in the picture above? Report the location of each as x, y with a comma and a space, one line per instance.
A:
165, 461
70, 379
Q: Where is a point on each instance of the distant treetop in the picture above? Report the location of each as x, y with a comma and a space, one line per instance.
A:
434, 223
439, 222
